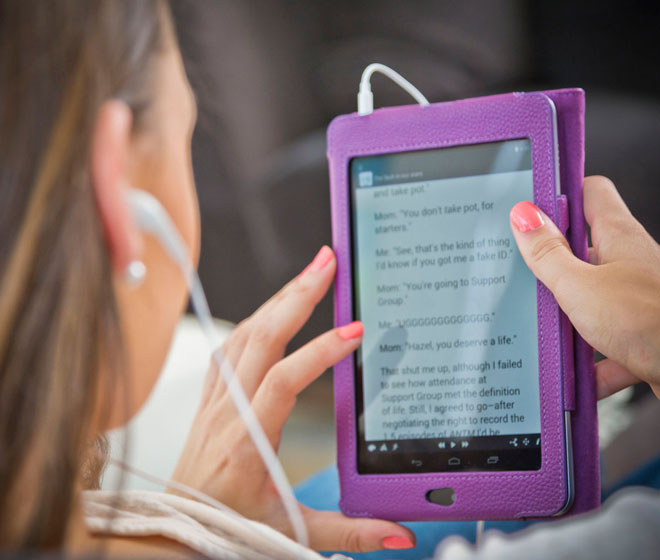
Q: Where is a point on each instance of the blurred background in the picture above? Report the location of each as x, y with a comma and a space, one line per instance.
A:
271, 74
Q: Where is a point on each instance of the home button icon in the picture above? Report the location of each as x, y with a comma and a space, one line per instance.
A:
441, 496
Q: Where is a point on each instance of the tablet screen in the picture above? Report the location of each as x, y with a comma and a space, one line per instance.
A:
447, 377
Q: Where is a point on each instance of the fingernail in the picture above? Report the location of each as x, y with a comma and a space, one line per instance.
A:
526, 216
397, 543
322, 258
352, 330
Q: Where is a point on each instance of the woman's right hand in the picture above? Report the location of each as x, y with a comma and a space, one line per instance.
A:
220, 458
614, 300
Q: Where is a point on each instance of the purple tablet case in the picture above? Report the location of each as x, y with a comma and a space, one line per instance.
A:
479, 495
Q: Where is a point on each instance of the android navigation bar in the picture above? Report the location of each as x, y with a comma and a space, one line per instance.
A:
518, 441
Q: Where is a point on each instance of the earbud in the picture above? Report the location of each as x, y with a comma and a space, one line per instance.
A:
152, 218
135, 273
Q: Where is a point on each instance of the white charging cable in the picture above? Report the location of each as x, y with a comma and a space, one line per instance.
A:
366, 97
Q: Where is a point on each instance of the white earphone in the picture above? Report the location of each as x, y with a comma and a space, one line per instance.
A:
152, 219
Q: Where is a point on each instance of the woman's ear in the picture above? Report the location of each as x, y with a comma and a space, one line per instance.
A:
110, 150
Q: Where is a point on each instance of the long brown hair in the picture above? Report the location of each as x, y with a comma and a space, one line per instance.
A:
58, 62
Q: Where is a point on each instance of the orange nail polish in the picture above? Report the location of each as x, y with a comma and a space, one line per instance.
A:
526, 216
397, 543
352, 330
322, 258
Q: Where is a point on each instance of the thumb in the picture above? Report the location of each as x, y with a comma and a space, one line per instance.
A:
335, 531
547, 254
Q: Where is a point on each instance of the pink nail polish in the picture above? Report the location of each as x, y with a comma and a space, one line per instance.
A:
397, 543
322, 258
352, 330
526, 216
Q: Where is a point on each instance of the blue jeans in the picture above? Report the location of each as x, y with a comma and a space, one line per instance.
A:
321, 491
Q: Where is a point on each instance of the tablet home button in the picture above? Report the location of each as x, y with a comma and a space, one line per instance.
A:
441, 496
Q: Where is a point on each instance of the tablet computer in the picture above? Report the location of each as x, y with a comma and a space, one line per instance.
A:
456, 405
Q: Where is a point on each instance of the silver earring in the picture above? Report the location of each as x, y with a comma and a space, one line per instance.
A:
135, 273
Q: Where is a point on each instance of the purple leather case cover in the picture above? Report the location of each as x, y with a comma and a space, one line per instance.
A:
566, 361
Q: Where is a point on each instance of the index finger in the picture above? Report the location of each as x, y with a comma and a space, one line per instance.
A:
277, 321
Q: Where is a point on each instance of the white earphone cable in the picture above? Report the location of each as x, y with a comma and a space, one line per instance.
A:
152, 218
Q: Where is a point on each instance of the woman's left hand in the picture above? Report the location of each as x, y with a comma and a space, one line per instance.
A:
219, 457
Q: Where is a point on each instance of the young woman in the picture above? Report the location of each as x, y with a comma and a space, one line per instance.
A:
94, 99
